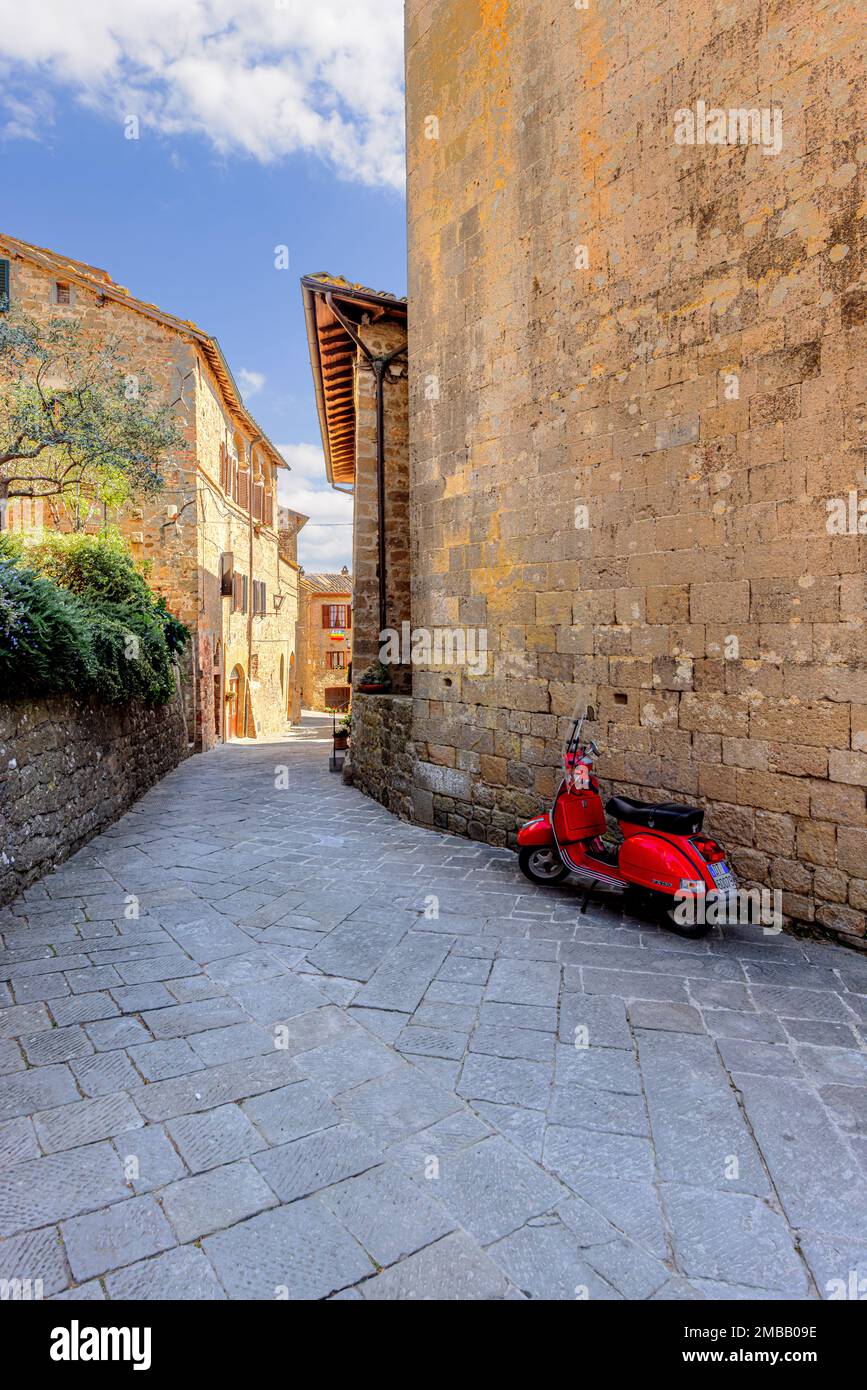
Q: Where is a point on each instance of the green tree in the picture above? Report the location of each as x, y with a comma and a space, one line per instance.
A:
78, 424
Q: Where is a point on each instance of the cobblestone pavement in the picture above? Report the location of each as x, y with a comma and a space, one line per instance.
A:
284, 1079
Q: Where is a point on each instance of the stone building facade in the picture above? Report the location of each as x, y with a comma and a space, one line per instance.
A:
636, 372
326, 640
212, 536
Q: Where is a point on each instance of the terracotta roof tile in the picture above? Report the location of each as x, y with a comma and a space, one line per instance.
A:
328, 583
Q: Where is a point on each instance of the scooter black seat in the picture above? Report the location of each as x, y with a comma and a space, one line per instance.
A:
668, 816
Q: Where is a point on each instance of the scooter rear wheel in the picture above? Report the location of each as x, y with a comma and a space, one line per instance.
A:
661, 908
541, 864
666, 911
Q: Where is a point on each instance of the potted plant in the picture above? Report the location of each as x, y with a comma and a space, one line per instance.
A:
375, 680
341, 734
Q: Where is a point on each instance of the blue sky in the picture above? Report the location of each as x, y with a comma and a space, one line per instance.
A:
189, 214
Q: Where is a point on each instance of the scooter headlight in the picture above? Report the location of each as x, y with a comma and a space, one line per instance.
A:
692, 885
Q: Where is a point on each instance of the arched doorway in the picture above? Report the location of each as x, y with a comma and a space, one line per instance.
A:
236, 695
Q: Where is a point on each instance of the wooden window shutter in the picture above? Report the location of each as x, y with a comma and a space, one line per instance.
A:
245, 594
227, 574
326, 615
4, 286
348, 616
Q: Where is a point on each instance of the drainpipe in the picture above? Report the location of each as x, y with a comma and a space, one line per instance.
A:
380, 366
247, 696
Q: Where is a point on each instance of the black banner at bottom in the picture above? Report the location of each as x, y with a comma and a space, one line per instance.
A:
225, 1339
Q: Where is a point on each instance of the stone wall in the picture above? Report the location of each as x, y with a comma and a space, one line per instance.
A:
649, 358
382, 759
68, 769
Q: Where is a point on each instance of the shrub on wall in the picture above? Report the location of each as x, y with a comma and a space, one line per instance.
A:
77, 616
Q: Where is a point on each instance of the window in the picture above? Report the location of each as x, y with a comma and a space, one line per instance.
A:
336, 615
263, 503
4, 286
239, 593
335, 661
260, 597
62, 292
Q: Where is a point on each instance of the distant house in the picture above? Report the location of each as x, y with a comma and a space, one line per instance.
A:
326, 640
220, 550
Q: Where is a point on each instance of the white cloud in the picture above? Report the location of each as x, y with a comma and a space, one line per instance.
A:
26, 117
266, 78
250, 382
305, 461
326, 541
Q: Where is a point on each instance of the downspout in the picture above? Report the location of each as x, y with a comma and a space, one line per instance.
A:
247, 695
380, 366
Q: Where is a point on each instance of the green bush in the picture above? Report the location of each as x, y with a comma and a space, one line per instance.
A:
77, 615
45, 641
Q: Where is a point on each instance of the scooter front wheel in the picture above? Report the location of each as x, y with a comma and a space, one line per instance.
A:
541, 864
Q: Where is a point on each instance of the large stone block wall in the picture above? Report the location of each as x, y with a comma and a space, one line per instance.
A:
68, 769
650, 367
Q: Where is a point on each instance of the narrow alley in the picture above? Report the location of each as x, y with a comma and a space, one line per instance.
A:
260, 1039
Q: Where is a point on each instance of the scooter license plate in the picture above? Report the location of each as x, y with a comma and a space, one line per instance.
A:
722, 875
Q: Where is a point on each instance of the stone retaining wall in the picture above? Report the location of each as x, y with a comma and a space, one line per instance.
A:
68, 769
382, 760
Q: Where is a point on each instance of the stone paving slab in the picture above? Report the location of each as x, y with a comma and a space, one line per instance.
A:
288, 1079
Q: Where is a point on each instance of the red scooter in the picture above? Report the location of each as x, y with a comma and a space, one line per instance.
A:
664, 861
